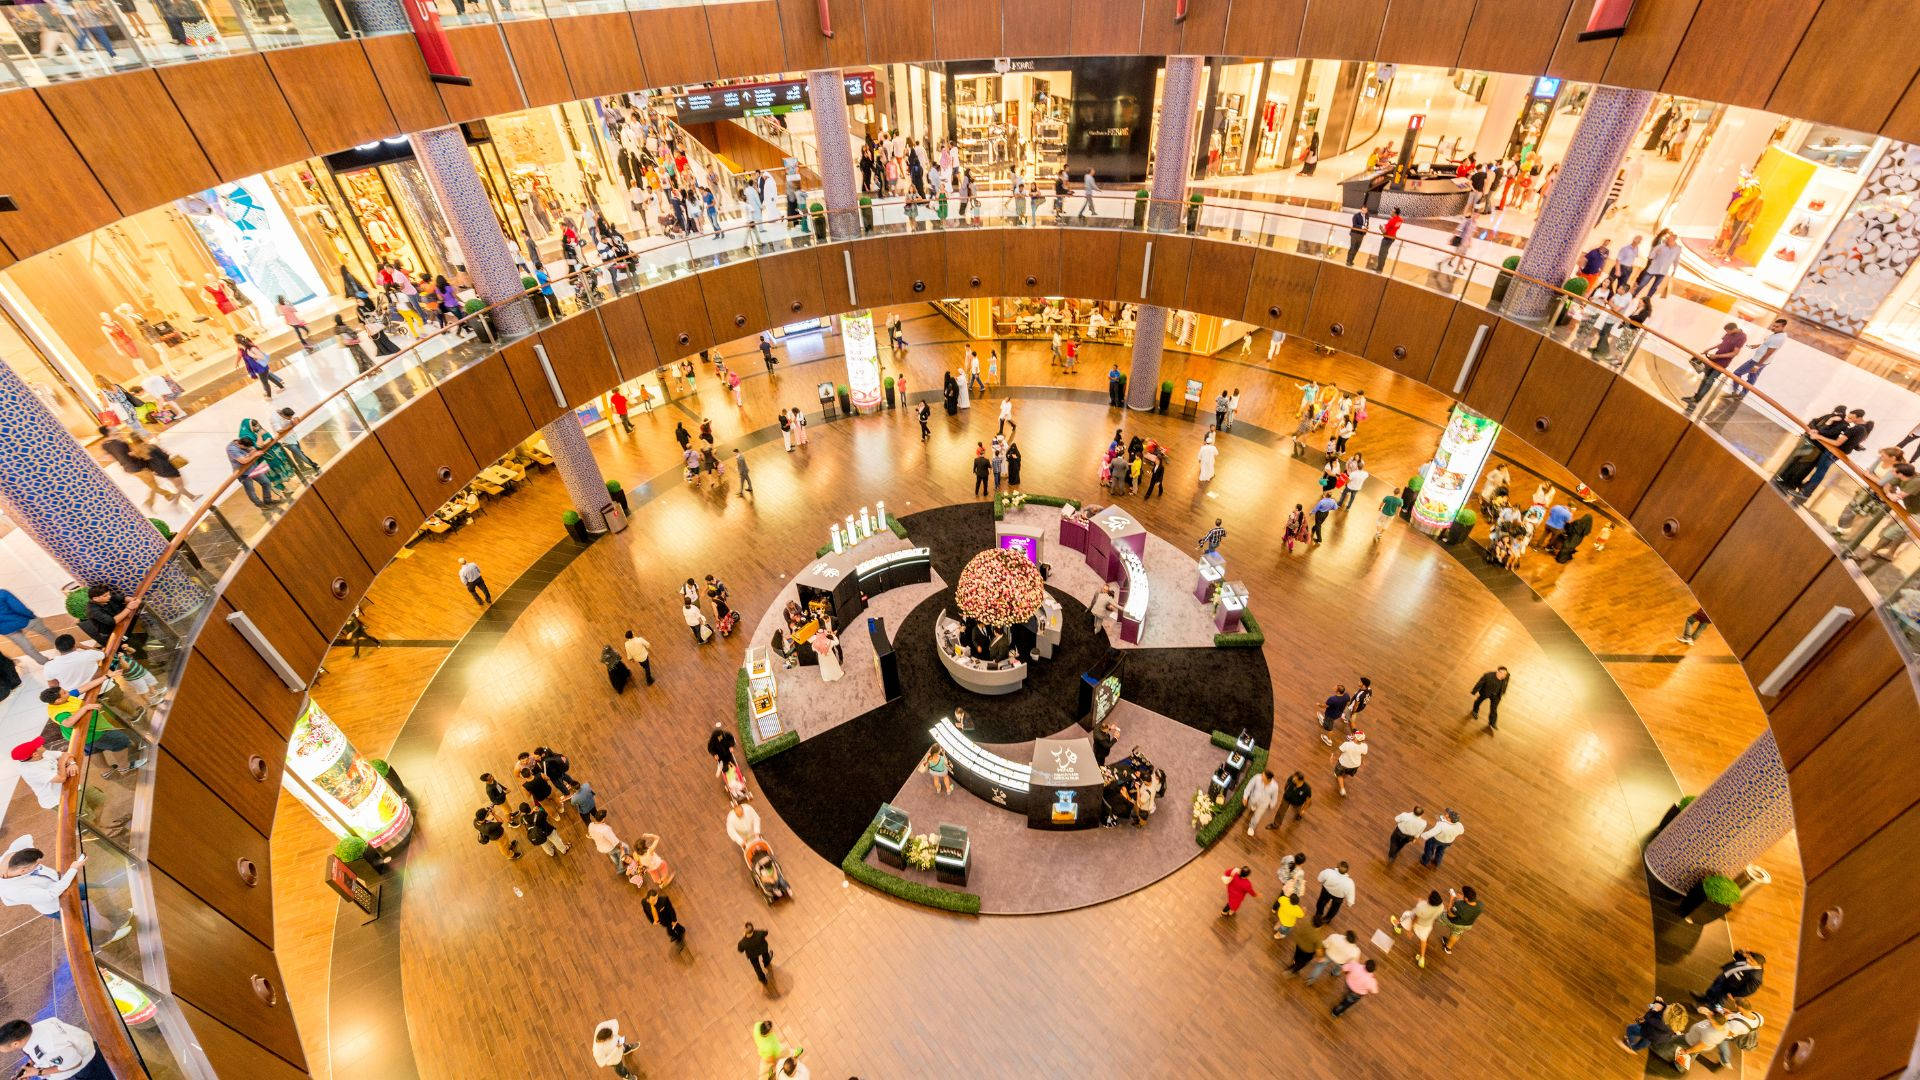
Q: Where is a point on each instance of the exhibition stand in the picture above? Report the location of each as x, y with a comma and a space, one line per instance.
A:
1057, 788
1000, 672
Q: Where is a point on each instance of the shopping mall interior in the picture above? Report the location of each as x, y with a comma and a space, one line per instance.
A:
754, 538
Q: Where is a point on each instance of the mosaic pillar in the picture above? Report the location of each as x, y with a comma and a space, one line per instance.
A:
494, 269
1607, 131
492, 264
833, 137
1868, 252
1167, 187
1740, 815
50, 488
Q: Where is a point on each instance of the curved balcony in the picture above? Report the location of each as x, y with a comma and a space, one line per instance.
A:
397, 441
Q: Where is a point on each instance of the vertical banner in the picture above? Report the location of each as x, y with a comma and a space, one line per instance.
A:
863, 360
435, 49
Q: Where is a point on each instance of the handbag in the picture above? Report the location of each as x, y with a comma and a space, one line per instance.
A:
177, 461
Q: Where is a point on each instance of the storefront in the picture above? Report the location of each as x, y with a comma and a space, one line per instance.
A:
382, 191
1049, 114
544, 165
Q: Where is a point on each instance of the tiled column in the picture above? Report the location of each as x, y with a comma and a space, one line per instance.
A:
50, 488
1172, 159
494, 268
1599, 147
832, 136
1868, 252
1740, 815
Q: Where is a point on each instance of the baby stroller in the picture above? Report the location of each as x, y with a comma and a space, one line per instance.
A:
766, 870
727, 624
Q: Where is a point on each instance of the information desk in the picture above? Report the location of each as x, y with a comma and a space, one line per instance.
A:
988, 775
1064, 785
1416, 196
1133, 596
979, 676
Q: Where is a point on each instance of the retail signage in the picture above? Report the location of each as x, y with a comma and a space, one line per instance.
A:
863, 360
706, 104
435, 49
1608, 19
1464, 448
1546, 86
342, 878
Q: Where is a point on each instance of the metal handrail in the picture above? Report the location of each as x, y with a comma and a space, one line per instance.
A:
111, 1035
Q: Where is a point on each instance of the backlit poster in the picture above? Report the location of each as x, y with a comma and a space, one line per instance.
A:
1465, 446
863, 360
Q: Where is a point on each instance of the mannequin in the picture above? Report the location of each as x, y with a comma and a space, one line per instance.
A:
1742, 209
121, 341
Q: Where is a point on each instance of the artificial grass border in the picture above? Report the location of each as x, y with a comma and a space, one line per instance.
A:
856, 867
1228, 812
1000, 503
1251, 637
893, 523
756, 752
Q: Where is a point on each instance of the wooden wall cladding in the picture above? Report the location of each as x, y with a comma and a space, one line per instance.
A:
1746, 604
402, 72
1863, 1027
1043, 28
333, 94
1342, 29
1585, 61
483, 57
1876, 38
1408, 328
253, 589
1643, 54
626, 326
369, 501
1625, 444
1513, 35
1698, 494
205, 93
233, 1054
1904, 124
221, 646
746, 38
1833, 685
1203, 34
1700, 64
601, 55
212, 963
1281, 292
1857, 780
967, 29
1100, 27
677, 318
1426, 33
132, 137
1502, 365
736, 301
836, 290
1557, 399
57, 195
899, 30
675, 45
1344, 304
1216, 272
1129, 270
216, 734
1266, 27
427, 450
530, 380
577, 349
199, 842
789, 279
975, 255
1167, 277
1033, 263
318, 565
808, 49
535, 53
1838, 586
486, 407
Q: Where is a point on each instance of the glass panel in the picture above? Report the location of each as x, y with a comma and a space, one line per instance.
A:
277, 24
180, 31
67, 41
152, 1021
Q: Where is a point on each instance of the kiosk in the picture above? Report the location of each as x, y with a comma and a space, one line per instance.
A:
988, 676
1232, 604
1133, 595
1111, 532
1065, 783
1211, 571
993, 778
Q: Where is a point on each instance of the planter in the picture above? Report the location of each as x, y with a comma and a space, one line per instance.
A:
1500, 283
575, 529
1193, 212
1407, 495
819, 215
1140, 209
1166, 397
1712, 898
846, 400
888, 384
1455, 533
619, 496
866, 213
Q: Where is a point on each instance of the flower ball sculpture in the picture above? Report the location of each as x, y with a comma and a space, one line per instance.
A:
1000, 588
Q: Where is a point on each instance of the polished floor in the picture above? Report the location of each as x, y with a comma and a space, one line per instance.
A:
505, 967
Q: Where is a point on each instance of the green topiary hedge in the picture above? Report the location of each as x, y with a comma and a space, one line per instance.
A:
1720, 890
1228, 812
1000, 503
756, 752
855, 866
1249, 636
350, 848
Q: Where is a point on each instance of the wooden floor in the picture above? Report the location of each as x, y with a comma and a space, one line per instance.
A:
508, 966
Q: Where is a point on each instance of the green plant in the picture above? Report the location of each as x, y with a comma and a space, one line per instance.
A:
816, 208
613, 486
899, 530
381, 766
826, 549
1249, 636
887, 382
1416, 482
1687, 800
1466, 518
1053, 500
743, 716
1720, 890
1227, 812
867, 200
570, 517
1166, 386
350, 849
856, 867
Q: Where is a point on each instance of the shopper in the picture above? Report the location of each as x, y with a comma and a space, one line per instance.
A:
1332, 711
1348, 757
743, 824
496, 798
1336, 951
476, 585
16, 619
1490, 688
1293, 875
1356, 234
54, 1049
1307, 941
1716, 361
1360, 983
1418, 920
720, 746
610, 1048
1652, 1029
1297, 793
771, 1049
1739, 977
1440, 837
1239, 883
26, 882
1321, 509
753, 945
1463, 910
696, 621
658, 907
1261, 798
1407, 826
1336, 890
540, 830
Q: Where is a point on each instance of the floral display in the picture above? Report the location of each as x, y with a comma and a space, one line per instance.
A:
999, 587
1203, 808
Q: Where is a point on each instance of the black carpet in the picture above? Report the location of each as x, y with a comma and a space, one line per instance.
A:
828, 787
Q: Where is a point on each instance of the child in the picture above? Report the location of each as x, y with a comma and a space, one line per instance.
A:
133, 678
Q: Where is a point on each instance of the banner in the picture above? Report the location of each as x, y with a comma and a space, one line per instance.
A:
1608, 19
435, 49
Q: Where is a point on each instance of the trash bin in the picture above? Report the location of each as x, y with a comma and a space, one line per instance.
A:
616, 517
1751, 879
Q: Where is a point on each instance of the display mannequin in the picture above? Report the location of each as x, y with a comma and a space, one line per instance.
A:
121, 341
1742, 209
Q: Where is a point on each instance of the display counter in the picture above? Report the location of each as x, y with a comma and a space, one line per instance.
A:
980, 676
1133, 595
986, 774
1441, 196
1052, 619
909, 566
1210, 572
1230, 606
1064, 783
763, 693
1110, 532
839, 583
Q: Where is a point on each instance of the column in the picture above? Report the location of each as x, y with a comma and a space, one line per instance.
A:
1740, 815
1868, 253
1599, 147
1167, 187
53, 490
493, 266
835, 142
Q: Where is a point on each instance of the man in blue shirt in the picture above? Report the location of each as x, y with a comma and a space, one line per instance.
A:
16, 619
1320, 511
1115, 381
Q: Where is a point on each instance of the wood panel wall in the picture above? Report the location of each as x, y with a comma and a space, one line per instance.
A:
87, 152
1842, 724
